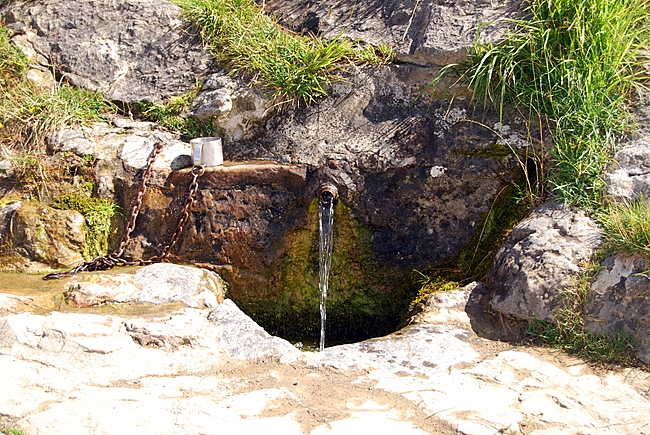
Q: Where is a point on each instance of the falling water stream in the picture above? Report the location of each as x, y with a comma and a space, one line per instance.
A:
325, 227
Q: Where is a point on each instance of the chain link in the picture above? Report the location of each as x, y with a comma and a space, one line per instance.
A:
184, 214
115, 258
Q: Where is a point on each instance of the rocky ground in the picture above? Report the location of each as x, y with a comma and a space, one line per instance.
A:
171, 369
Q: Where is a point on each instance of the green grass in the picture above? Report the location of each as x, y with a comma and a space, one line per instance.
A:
436, 281
571, 68
295, 67
13, 63
627, 226
29, 112
171, 116
573, 65
11, 430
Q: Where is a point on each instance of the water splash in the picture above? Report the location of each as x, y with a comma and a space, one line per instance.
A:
326, 231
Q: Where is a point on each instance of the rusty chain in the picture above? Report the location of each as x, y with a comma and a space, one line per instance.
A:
115, 258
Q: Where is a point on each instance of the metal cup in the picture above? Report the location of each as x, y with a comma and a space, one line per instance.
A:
207, 151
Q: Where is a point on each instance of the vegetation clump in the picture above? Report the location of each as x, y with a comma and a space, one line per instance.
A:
171, 116
11, 430
626, 226
29, 111
568, 332
98, 214
249, 42
572, 66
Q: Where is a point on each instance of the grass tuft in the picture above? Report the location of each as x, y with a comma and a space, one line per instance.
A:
297, 68
171, 116
627, 226
11, 430
568, 333
29, 112
434, 282
13, 64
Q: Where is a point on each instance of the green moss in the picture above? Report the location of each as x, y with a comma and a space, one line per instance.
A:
496, 150
365, 298
438, 281
98, 214
507, 209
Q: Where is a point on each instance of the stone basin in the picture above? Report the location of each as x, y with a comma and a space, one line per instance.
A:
256, 224
237, 173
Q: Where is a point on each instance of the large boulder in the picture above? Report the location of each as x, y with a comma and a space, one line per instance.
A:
48, 236
619, 302
130, 51
429, 32
155, 284
543, 255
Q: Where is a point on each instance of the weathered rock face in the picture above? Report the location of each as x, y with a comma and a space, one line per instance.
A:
628, 177
420, 177
48, 236
542, 256
415, 178
121, 149
155, 284
239, 110
421, 32
130, 51
619, 301
6, 213
151, 56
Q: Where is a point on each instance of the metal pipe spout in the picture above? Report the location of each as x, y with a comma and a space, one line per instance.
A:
328, 193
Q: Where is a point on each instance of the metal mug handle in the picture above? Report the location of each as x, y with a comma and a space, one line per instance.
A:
207, 151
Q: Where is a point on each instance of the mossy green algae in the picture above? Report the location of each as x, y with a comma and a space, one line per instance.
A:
365, 298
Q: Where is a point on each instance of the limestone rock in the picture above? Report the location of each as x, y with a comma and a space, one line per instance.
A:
181, 372
630, 177
423, 32
49, 236
543, 255
619, 301
239, 110
157, 284
6, 213
242, 338
149, 56
122, 148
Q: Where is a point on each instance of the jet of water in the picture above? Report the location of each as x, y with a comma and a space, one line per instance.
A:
325, 228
